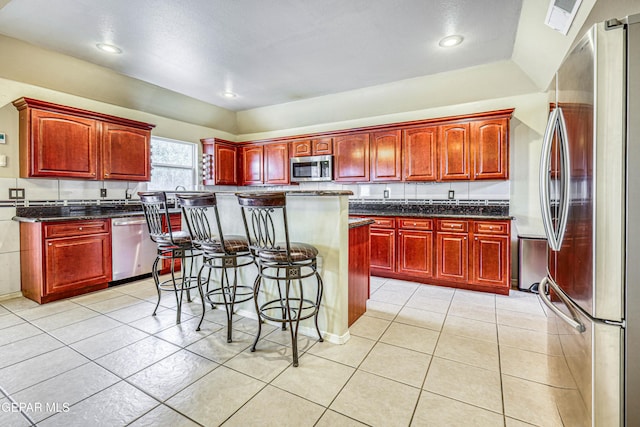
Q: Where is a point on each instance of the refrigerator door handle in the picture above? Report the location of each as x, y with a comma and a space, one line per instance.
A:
545, 198
565, 163
555, 126
574, 320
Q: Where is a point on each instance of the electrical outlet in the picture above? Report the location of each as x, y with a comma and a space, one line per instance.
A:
16, 193
127, 194
386, 194
103, 192
452, 194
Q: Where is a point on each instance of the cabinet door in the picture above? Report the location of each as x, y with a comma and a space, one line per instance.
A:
322, 146
454, 152
386, 156
452, 251
276, 163
351, 157
490, 149
490, 260
383, 253
420, 154
176, 225
61, 146
126, 153
415, 252
252, 172
301, 148
77, 262
225, 164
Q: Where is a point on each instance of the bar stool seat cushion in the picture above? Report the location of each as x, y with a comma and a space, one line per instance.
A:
180, 239
232, 244
299, 252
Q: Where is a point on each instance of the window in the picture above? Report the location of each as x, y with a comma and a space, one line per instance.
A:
173, 163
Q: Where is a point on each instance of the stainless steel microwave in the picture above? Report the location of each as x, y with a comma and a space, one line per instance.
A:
311, 168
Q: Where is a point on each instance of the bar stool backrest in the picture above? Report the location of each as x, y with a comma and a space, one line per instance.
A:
195, 208
156, 212
259, 216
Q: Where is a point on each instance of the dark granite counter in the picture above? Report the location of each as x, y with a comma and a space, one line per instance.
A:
497, 210
81, 212
320, 193
106, 210
359, 222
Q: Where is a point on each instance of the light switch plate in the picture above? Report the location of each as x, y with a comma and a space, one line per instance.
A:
3, 138
452, 194
103, 192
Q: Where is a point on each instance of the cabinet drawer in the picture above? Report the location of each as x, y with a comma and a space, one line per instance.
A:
453, 225
384, 222
416, 224
491, 227
76, 228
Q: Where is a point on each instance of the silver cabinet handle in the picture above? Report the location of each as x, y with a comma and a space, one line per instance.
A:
117, 223
573, 321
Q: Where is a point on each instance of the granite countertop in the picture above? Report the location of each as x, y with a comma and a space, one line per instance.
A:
321, 193
359, 222
119, 210
66, 213
469, 210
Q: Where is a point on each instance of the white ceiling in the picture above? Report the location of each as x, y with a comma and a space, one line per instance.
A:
269, 51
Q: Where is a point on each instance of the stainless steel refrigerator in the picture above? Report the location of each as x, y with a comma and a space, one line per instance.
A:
590, 197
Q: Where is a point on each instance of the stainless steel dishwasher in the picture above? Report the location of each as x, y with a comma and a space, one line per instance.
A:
132, 251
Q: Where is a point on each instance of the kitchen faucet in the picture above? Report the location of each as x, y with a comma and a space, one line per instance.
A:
175, 198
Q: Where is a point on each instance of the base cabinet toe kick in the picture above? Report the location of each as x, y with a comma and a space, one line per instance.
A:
463, 253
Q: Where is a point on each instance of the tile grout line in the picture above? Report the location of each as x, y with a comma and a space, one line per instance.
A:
12, 400
393, 320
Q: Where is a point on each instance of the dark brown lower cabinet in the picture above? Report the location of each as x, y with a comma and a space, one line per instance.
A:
470, 254
383, 246
176, 225
63, 259
452, 252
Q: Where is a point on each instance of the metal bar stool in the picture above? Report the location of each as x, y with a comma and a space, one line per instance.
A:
172, 245
284, 262
219, 253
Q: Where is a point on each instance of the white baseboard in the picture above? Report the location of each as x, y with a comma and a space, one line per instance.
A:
10, 296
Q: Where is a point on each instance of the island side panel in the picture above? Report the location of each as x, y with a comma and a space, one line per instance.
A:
321, 221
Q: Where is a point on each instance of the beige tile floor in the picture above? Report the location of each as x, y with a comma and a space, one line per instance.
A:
421, 355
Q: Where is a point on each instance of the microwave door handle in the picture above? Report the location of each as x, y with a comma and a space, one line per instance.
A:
565, 168
572, 321
545, 197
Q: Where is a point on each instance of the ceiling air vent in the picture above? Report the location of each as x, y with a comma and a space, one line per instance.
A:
561, 13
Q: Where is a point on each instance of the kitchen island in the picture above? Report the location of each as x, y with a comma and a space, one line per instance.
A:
319, 218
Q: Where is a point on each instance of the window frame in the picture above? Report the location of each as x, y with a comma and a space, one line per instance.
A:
193, 168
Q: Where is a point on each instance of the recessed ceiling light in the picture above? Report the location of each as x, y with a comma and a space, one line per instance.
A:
109, 48
229, 94
451, 41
